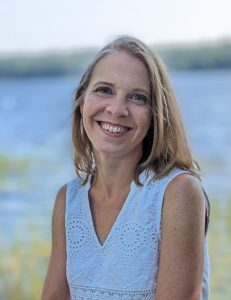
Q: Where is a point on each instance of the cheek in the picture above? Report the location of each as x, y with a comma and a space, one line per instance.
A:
92, 105
87, 109
146, 120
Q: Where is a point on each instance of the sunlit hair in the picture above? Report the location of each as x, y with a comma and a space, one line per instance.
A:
165, 145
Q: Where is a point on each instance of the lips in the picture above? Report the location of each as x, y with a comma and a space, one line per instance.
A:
113, 128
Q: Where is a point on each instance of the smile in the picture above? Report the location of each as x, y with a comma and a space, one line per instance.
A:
116, 129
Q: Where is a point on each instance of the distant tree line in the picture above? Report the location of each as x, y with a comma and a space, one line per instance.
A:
198, 56
45, 64
179, 57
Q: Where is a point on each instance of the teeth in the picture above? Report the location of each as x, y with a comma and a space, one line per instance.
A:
113, 129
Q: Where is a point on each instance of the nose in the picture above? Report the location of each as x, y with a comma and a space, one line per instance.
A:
118, 107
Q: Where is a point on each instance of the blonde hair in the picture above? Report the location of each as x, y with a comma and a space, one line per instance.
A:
165, 145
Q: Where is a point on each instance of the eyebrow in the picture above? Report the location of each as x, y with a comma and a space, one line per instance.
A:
103, 82
111, 84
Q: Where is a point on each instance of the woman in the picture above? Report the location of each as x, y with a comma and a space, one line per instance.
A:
132, 224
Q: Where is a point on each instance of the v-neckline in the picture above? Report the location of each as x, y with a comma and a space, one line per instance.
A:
117, 219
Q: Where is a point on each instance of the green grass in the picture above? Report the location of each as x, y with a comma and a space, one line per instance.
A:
8, 164
219, 248
23, 266
12, 172
22, 269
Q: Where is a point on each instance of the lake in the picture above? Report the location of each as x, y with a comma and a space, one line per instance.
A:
35, 135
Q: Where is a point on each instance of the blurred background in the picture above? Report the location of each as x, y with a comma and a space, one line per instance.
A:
44, 48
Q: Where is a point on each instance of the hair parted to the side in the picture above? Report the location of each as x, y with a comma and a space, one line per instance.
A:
165, 145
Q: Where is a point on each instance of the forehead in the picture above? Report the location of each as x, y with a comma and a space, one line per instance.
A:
120, 67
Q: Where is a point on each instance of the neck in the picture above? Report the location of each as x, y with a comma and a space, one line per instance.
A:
114, 176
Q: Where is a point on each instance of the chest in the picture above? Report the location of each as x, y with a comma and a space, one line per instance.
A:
104, 216
114, 246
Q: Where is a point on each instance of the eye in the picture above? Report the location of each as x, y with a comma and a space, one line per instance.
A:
104, 90
138, 98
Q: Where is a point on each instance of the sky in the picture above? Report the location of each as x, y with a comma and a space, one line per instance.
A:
47, 25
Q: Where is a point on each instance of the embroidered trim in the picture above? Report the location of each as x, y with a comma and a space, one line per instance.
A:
93, 293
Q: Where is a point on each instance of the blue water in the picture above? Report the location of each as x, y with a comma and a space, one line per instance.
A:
35, 122
35, 112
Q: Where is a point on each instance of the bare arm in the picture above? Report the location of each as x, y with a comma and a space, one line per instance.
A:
55, 286
181, 256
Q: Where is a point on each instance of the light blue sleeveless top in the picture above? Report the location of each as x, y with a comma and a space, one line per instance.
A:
125, 267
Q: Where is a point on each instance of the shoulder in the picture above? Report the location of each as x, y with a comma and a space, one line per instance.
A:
184, 201
76, 183
182, 238
55, 286
59, 205
62, 192
61, 196
185, 187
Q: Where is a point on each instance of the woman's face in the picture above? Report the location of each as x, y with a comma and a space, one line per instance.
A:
115, 107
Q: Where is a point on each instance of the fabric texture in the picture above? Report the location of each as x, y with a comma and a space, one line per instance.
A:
125, 267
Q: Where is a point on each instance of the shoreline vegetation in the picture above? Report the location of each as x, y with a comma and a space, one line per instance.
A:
197, 56
23, 265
